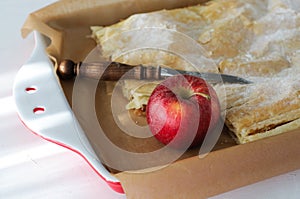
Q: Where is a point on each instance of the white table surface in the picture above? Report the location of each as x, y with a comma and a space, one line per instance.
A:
30, 167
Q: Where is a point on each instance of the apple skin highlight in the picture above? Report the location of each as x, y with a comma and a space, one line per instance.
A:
181, 110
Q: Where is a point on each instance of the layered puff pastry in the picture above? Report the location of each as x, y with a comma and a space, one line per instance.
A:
258, 40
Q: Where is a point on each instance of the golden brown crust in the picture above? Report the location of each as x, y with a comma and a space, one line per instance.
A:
264, 108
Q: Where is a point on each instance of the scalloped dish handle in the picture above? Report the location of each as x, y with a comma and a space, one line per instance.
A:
43, 108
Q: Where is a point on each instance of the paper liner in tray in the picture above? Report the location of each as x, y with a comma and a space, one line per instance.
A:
67, 24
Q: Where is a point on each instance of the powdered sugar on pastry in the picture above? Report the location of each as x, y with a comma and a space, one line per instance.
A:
255, 39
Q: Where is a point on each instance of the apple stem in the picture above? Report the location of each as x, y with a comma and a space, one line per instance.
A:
201, 94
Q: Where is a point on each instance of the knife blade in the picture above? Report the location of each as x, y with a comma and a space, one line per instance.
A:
210, 77
113, 71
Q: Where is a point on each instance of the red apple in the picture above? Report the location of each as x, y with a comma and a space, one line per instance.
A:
181, 110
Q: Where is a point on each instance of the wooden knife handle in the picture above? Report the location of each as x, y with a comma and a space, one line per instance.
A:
108, 71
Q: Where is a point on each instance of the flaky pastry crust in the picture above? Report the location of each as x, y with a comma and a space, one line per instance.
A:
258, 40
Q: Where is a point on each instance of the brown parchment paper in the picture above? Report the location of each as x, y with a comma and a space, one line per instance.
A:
218, 172
67, 24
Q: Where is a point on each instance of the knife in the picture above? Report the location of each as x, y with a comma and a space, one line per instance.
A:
113, 71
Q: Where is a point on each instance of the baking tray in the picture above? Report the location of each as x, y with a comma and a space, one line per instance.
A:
44, 108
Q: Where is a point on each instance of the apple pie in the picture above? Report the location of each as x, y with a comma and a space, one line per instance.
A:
254, 39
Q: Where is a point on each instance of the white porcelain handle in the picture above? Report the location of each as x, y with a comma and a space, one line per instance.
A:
43, 108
